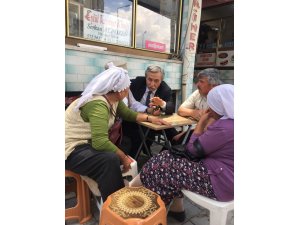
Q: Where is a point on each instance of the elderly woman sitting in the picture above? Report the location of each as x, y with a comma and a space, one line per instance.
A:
211, 144
88, 149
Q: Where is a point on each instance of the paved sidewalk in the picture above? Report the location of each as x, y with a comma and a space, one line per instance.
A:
195, 215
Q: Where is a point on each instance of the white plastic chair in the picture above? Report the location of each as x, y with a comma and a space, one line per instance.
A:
218, 210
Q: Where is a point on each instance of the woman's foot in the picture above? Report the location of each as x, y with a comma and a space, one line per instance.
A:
176, 209
179, 216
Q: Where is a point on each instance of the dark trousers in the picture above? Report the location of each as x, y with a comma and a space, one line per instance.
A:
131, 132
103, 167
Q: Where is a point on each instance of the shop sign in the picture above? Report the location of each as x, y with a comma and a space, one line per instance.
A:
156, 46
225, 58
205, 59
105, 27
194, 26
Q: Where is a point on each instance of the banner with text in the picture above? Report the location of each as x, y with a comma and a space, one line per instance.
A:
107, 28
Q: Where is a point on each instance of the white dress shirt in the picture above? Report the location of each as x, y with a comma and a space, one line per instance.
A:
140, 106
134, 104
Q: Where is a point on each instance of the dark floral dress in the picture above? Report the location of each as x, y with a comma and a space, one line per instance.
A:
167, 175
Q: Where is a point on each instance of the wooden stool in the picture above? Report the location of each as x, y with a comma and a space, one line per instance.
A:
133, 205
82, 210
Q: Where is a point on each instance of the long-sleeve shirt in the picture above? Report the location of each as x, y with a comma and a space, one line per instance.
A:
218, 144
134, 104
92, 122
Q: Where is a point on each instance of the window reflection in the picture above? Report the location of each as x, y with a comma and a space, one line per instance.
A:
156, 25
208, 35
102, 20
111, 21
227, 33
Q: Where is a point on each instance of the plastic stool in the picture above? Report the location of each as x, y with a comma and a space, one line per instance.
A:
81, 210
218, 210
133, 206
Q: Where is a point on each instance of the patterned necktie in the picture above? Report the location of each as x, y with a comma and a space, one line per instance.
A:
148, 98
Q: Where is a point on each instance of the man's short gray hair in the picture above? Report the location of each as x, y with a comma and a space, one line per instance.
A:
155, 69
213, 76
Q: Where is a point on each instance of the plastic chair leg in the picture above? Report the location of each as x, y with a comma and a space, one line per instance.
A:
218, 217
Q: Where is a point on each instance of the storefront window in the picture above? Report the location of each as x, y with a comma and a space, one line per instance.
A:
156, 25
101, 20
216, 28
227, 33
208, 35
111, 21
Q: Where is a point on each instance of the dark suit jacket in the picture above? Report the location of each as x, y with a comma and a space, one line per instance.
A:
138, 88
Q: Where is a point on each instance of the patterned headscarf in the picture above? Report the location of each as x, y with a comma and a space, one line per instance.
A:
114, 79
220, 100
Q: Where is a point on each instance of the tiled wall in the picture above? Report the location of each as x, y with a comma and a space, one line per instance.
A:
82, 66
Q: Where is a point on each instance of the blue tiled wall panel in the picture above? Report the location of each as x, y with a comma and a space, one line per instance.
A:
81, 67
138, 65
168, 68
71, 78
135, 73
177, 68
72, 86
88, 70
85, 78
78, 60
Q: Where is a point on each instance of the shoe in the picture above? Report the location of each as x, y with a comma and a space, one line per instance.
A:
179, 216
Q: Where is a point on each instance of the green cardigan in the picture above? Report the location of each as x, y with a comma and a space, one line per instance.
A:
92, 122
96, 113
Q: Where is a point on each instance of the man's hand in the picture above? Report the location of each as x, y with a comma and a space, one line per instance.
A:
153, 111
156, 112
157, 101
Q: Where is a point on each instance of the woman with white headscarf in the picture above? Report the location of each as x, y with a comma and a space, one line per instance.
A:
88, 150
211, 146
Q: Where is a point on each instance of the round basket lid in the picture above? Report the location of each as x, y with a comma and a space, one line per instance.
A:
134, 202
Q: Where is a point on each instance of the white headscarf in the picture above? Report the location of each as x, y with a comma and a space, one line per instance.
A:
220, 100
113, 79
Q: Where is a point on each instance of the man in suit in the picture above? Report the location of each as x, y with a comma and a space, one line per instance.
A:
156, 95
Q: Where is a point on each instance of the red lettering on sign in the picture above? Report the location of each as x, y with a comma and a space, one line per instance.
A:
192, 36
192, 46
196, 4
194, 18
194, 27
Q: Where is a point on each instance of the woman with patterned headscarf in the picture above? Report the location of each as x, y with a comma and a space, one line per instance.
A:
88, 150
211, 146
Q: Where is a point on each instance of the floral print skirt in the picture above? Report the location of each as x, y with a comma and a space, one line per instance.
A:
167, 175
